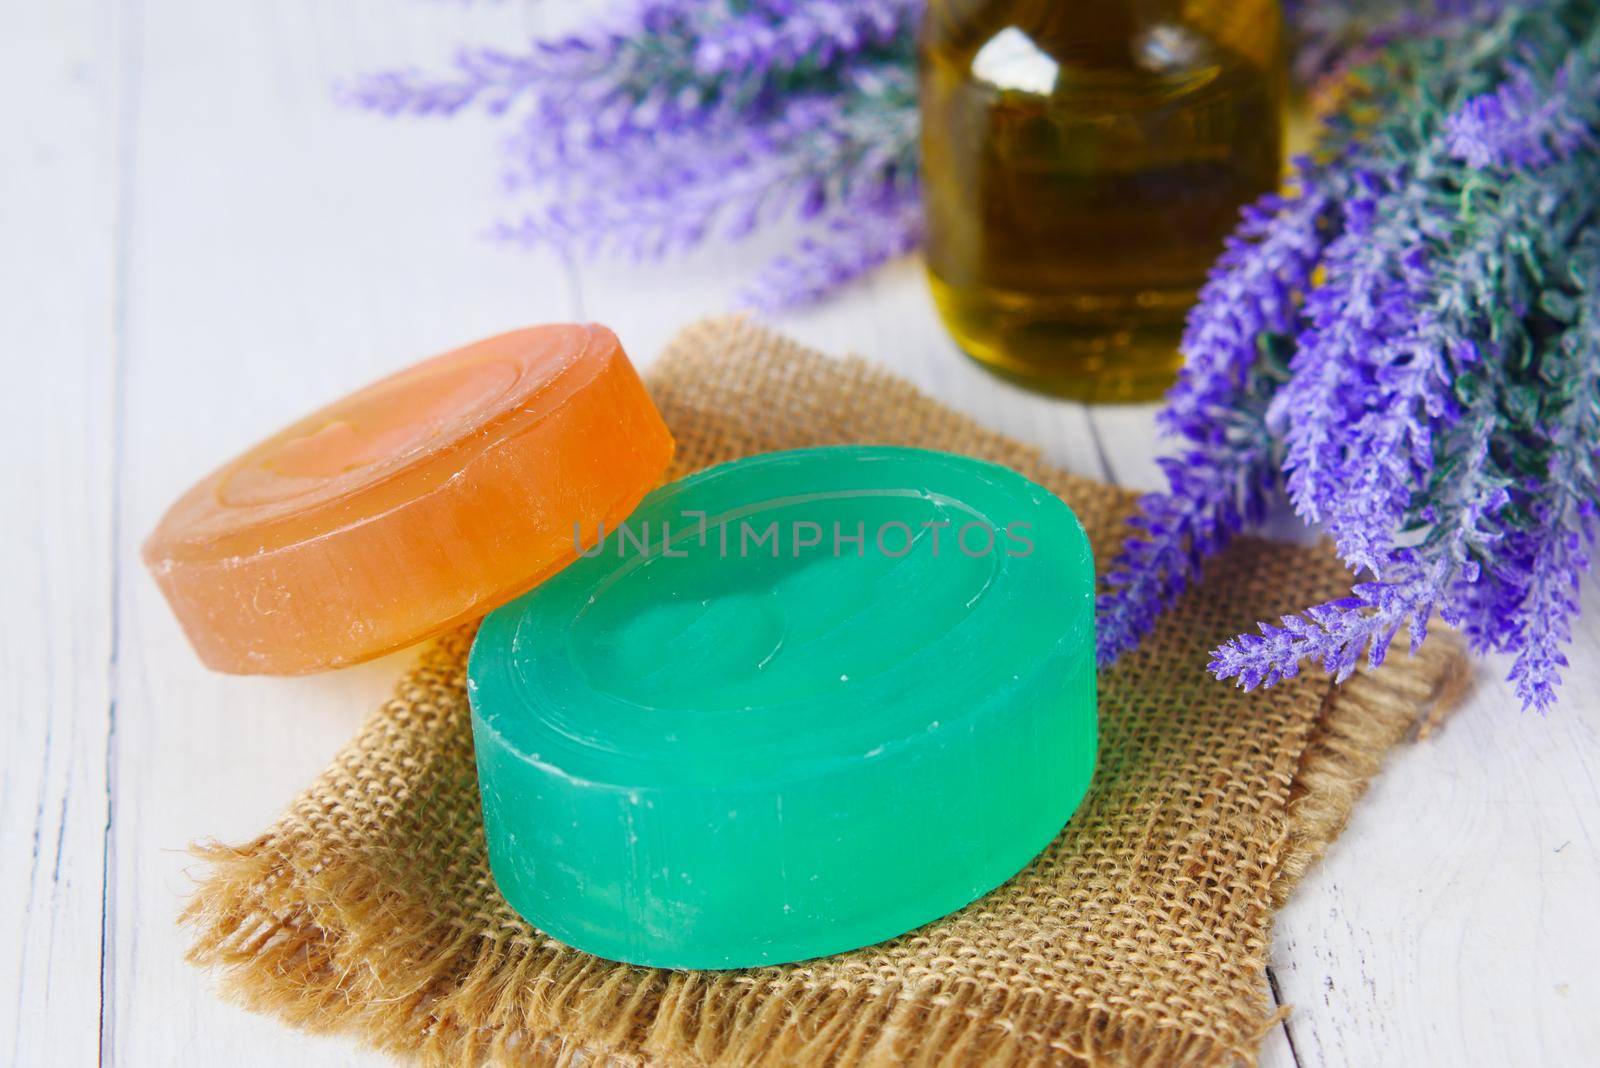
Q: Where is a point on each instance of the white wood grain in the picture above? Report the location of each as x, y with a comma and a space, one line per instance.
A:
1453, 923
281, 251
59, 153
199, 246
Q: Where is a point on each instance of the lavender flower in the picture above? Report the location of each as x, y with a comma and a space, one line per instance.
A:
1553, 553
1417, 580
819, 153
1352, 320
1336, 634
1254, 290
1385, 447
1524, 123
788, 34
676, 121
1212, 492
1555, 560
1441, 409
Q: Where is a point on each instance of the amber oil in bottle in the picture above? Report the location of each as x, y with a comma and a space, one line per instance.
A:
1083, 161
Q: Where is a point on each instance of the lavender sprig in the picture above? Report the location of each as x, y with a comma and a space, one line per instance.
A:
1372, 367
1254, 290
1352, 320
1333, 39
821, 153
1525, 123
1554, 552
1336, 634
671, 122
1441, 407
1228, 406
789, 34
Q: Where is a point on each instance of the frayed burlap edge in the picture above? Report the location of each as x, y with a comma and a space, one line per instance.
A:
284, 937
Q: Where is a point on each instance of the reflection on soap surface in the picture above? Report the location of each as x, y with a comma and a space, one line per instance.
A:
818, 583
793, 596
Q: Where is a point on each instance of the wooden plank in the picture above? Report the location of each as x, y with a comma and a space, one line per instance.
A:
1452, 923
58, 213
282, 250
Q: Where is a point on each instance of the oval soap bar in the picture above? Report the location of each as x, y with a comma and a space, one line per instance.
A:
796, 704
413, 505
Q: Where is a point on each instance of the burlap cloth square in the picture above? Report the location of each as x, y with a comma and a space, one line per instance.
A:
1139, 937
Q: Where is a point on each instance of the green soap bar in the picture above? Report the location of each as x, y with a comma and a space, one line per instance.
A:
796, 704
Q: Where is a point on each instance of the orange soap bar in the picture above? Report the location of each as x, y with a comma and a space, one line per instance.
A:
415, 504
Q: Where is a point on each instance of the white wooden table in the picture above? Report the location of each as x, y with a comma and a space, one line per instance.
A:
196, 245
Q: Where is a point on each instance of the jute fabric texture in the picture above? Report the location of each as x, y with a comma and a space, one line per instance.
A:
1139, 937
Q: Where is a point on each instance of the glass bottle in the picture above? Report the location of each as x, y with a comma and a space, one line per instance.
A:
1083, 161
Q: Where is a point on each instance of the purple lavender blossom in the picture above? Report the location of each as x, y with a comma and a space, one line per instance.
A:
1335, 635
1387, 336
671, 122
1416, 581
1387, 444
1442, 408
1254, 289
1408, 411
818, 153
1555, 561
1510, 588
1353, 318
785, 34
1211, 494
1554, 553
1524, 123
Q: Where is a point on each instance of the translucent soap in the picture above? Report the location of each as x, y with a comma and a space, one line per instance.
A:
410, 506
796, 704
